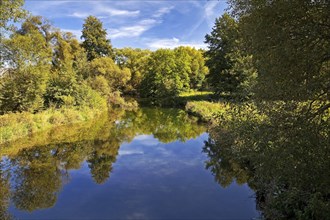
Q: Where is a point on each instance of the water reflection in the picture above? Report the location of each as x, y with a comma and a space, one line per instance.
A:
34, 171
285, 159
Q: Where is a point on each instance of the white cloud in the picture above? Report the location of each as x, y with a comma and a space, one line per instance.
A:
133, 31
84, 15
171, 43
80, 14
210, 12
162, 11
102, 9
80, 10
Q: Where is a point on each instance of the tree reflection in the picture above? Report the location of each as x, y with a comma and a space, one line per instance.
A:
4, 192
39, 167
37, 187
284, 158
101, 159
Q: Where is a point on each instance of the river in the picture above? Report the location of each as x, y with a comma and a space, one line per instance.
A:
145, 164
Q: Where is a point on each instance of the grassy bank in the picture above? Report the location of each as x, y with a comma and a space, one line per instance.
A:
206, 111
179, 101
218, 112
18, 125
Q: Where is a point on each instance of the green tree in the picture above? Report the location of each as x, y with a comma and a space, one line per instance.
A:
117, 78
192, 63
95, 42
108, 79
290, 43
10, 11
29, 46
38, 179
29, 55
162, 80
101, 166
65, 84
231, 69
183, 66
282, 156
136, 61
40, 24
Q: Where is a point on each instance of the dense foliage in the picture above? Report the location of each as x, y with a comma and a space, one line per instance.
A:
44, 68
282, 156
170, 72
232, 73
290, 44
278, 142
95, 42
136, 61
10, 11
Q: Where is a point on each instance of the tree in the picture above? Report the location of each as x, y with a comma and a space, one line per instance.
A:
136, 61
282, 156
183, 66
108, 79
95, 42
40, 24
229, 76
290, 44
29, 55
162, 80
64, 83
117, 78
10, 11
193, 64
30, 44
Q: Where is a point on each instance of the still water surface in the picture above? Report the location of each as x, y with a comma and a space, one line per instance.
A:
147, 164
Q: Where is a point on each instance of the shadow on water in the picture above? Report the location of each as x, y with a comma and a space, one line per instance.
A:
284, 158
34, 170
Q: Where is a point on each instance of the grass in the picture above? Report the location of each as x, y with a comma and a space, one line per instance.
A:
206, 111
217, 112
18, 125
179, 101
196, 94
190, 96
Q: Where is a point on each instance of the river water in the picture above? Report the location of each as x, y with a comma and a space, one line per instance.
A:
146, 164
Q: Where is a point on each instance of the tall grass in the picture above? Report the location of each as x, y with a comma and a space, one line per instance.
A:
217, 112
18, 125
206, 111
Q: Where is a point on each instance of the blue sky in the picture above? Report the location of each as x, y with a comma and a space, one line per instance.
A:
145, 24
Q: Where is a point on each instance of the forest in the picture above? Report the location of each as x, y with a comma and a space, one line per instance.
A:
262, 85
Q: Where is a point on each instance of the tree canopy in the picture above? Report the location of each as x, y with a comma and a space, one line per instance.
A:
95, 39
10, 11
290, 45
232, 74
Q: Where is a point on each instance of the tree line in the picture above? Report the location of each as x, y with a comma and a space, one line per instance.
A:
46, 67
272, 50
262, 50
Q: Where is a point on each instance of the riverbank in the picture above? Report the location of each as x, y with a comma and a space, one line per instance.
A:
216, 112
206, 111
280, 149
14, 126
